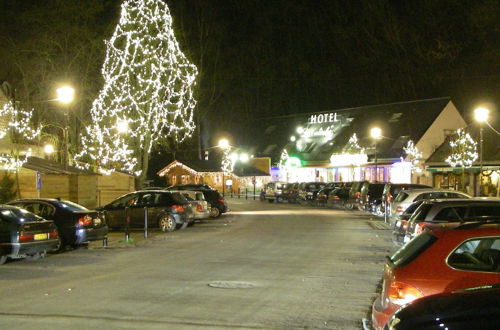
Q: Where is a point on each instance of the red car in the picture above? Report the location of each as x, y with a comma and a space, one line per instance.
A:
443, 258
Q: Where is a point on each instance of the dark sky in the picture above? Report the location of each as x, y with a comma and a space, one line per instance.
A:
272, 58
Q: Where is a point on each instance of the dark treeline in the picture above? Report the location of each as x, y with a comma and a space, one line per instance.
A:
266, 58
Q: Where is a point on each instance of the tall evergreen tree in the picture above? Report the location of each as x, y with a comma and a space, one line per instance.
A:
148, 88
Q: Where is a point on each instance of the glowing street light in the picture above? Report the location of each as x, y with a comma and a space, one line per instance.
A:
65, 94
300, 129
293, 138
244, 157
48, 149
481, 116
122, 126
223, 143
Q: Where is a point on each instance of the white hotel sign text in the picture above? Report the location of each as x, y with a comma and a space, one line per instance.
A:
323, 118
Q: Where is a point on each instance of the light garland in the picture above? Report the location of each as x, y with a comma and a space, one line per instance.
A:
283, 159
414, 155
18, 123
227, 164
463, 150
148, 83
353, 147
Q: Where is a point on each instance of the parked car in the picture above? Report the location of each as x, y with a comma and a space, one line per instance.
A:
439, 260
217, 203
371, 197
401, 224
471, 308
354, 194
309, 190
291, 192
165, 210
391, 190
322, 195
198, 204
24, 234
274, 192
338, 197
75, 223
408, 196
451, 211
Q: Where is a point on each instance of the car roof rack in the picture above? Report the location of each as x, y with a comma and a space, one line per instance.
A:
469, 223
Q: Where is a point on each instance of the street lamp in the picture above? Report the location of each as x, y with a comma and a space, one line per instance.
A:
481, 116
376, 134
224, 144
48, 149
65, 95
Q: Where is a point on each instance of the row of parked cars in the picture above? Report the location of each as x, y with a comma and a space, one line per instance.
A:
29, 228
446, 271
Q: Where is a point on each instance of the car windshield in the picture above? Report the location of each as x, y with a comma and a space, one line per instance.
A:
411, 250
421, 213
70, 206
401, 197
375, 190
281, 186
18, 215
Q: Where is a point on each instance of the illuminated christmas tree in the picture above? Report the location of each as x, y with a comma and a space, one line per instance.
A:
227, 164
147, 93
463, 150
414, 155
353, 147
18, 128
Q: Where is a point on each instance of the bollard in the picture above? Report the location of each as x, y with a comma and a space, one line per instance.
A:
231, 192
246, 193
385, 213
127, 225
145, 222
105, 242
239, 191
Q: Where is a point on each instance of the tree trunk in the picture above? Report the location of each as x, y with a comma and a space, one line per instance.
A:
144, 162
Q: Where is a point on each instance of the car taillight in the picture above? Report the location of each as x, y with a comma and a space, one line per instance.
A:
336, 198
367, 198
389, 197
199, 207
53, 234
400, 293
419, 228
404, 224
178, 208
85, 220
25, 238
357, 194
221, 200
399, 209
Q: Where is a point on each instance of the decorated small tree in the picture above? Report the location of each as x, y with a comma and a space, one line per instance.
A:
414, 155
463, 152
353, 147
147, 93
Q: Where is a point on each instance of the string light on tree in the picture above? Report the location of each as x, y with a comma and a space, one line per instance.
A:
414, 155
148, 83
463, 150
283, 158
19, 126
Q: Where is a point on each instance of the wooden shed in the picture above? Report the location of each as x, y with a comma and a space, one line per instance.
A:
48, 179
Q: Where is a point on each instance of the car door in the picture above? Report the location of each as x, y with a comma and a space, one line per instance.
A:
6, 228
116, 211
151, 202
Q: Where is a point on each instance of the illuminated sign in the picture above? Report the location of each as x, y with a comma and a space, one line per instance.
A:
324, 118
348, 159
293, 162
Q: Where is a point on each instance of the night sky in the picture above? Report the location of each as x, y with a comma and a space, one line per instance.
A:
260, 59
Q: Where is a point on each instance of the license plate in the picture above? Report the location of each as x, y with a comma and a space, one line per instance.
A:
97, 221
39, 237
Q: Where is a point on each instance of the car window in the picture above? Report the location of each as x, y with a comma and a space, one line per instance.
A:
41, 209
199, 196
410, 209
402, 196
149, 199
421, 213
451, 214
178, 198
70, 206
437, 194
186, 196
481, 255
455, 195
18, 215
485, 210
125, 201
412, 249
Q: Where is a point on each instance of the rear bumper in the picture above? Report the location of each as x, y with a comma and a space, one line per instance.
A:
91, 234
199, 215
20, 250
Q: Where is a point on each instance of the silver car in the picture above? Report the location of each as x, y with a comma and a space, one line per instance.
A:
407, 197
198, 203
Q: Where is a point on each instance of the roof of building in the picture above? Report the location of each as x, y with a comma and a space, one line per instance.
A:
47, 166
491, 148
399, 122
202, 166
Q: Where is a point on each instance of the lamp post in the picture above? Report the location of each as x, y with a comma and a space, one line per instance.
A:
376, 134
481, 116
224, 145
65, 95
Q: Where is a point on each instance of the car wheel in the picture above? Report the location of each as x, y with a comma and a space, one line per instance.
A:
60, 245
3, 259
279, 200
214, 212
167, 223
